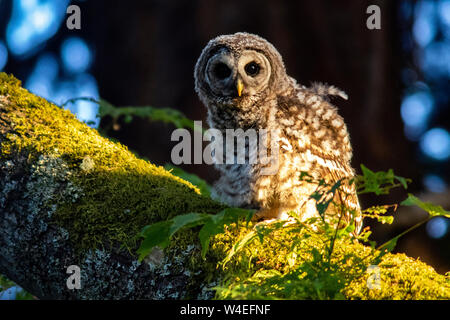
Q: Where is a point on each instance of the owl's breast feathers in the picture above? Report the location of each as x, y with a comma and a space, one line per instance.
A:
313, 139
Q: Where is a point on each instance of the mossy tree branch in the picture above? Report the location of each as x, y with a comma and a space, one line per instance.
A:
71, 197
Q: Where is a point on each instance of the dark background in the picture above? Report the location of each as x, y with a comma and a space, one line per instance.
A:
144, 52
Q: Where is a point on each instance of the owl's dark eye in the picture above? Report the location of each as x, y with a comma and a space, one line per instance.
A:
252, 68
221, 71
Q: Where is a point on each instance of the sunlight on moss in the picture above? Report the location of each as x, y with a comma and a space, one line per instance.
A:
267, 271
119, 192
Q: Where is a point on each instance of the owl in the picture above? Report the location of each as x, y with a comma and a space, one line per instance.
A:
242, 81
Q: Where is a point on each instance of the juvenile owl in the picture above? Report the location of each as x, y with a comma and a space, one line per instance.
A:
242, 81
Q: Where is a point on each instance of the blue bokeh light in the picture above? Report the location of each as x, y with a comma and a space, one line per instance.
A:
44, 81
435, 143
416, 108
3, 55
32, 23
444, 12
435, 60
83, 85
434, 183
415, 111
409, 76
406, 9
87, 111
41, 79
41, 18
10, 293
424, 28
76, 55
437, 227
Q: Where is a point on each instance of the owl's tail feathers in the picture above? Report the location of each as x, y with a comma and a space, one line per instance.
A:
325, 90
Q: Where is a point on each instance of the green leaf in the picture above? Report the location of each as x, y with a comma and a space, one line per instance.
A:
389, 246
205, 234
433, 210
371, 183
382, 219
247, 239
166, 115
385, 219
204, 187
369, 174
379, 182
403, 181
128, 118
157, 234
347, 230
189, 220
160, 233
378, 212
249, 216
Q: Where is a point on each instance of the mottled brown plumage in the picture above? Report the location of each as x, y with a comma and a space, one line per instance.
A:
313, 137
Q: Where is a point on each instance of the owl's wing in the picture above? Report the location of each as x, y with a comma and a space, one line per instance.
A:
320, 136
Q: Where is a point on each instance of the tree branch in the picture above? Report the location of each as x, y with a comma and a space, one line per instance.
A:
71, 197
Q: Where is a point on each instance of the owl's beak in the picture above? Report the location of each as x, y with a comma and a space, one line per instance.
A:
239, 87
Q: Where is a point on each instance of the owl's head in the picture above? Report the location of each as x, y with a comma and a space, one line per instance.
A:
236, 67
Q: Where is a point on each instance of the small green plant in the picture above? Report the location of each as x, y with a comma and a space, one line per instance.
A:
318, 275
160, 233
165, 115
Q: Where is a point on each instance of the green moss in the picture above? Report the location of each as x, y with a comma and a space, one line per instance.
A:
269, 270
113, 193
